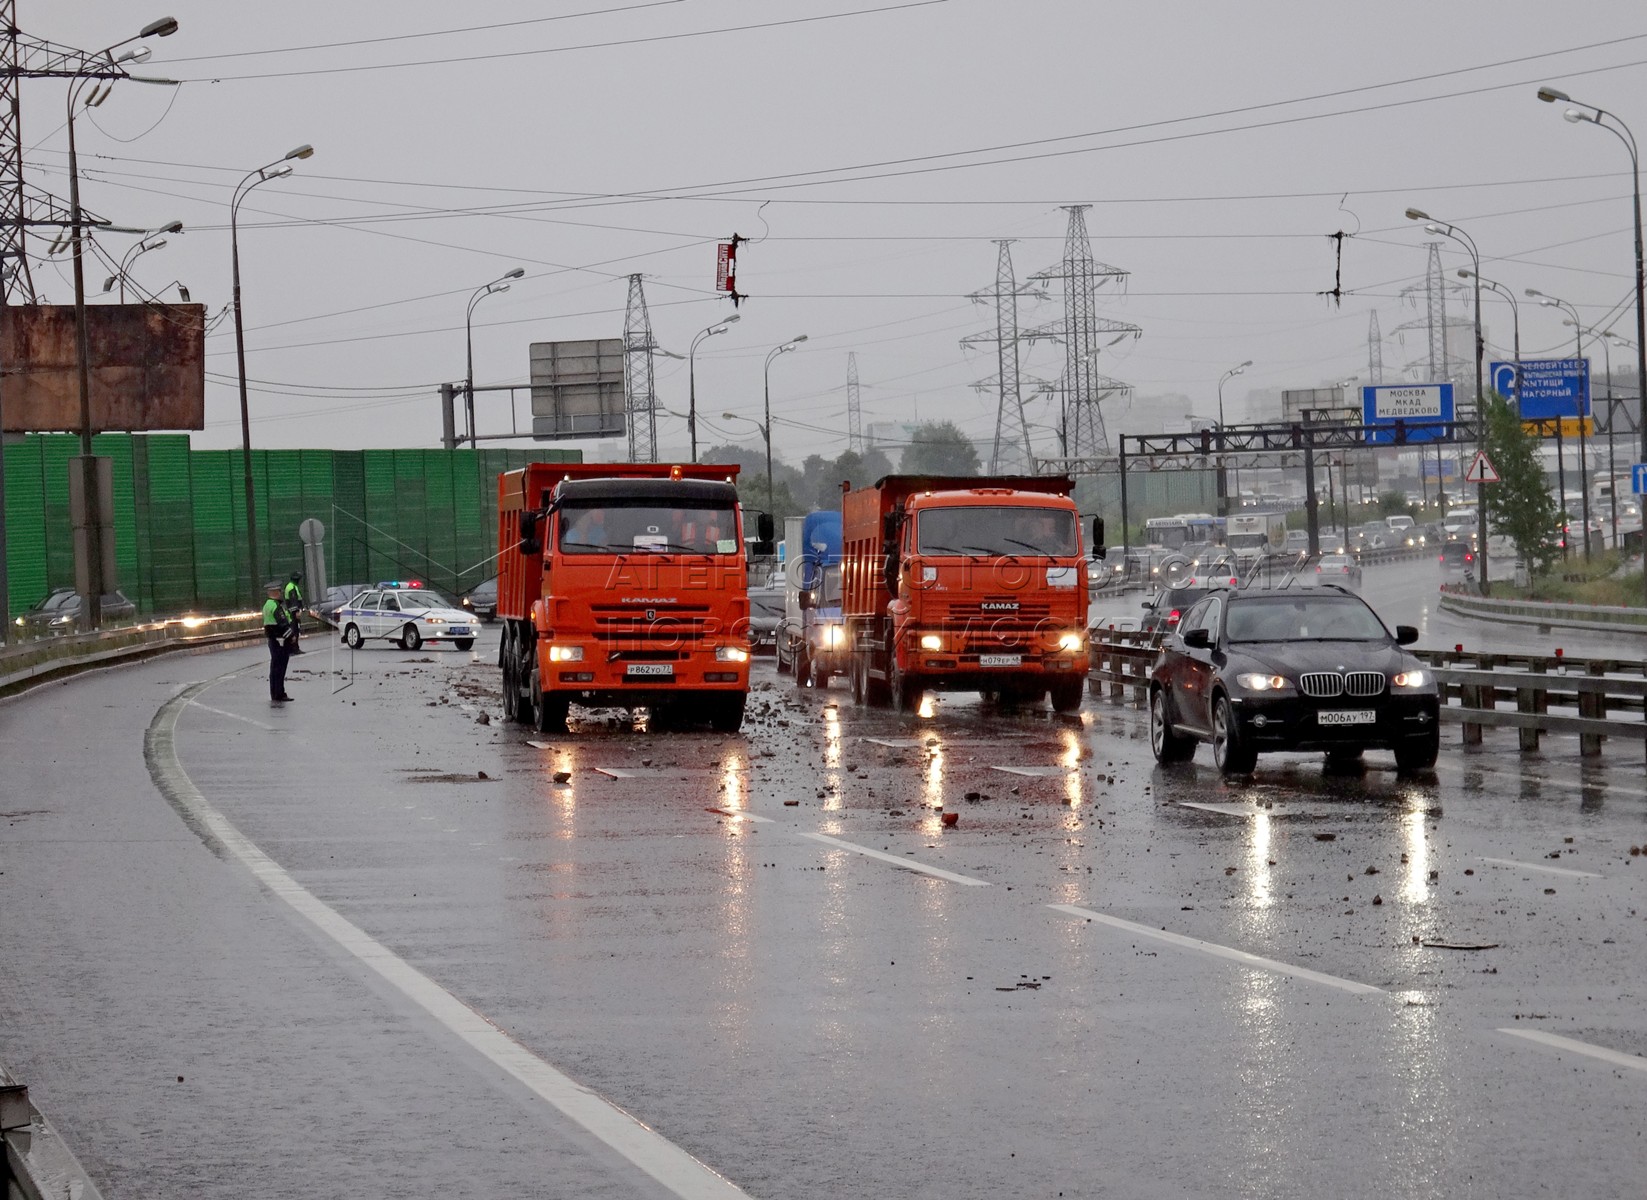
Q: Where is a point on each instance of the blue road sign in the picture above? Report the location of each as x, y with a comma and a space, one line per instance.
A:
1638, 478
1423, 408
1550, 387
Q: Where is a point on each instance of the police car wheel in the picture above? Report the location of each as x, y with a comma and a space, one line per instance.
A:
410, 638
352, 638
464, 643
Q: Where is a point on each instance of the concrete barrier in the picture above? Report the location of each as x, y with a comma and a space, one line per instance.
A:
34, 1162
27, 664
1547, 614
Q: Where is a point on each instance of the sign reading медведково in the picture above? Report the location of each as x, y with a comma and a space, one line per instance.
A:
1424, 406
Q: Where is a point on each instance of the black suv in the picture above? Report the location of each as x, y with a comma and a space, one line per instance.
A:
1317, 670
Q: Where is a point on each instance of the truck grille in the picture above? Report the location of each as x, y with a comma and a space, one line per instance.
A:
630, 628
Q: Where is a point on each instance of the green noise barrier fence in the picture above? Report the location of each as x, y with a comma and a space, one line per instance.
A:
180, 517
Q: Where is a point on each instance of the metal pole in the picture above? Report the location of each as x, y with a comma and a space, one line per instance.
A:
1583, 437
1480, 428
1126, 539
692, 395
92, 508
1612, 417
240, 359
766, 432
469, 370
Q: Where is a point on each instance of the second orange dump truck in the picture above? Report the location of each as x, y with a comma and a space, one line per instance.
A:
966, 583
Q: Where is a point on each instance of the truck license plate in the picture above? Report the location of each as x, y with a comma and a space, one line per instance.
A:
634, 669
1353, 716
1000, 660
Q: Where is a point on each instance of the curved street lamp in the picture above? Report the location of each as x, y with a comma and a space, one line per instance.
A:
1223, 482
500, 284
1548, 301
149, 241
766, 429
692, 378
278, 169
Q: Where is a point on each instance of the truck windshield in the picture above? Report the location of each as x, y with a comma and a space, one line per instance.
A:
646, 527
993, 531
1247, 541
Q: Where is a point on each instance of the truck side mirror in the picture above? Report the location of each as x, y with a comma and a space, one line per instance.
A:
529, 543
765, 531
1098, 548
807, 599
892, 573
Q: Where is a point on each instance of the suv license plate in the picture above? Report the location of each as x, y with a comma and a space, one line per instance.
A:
1353, 716
1000, 660
634, 669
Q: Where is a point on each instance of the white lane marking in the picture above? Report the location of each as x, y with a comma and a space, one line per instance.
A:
1526, 866
541, 745
895, 743
1213, 948
738, 814
665, 1162
1032, 772
233, 716
1464, 765
1225, 810
650, 772
1634, 1062
906, 863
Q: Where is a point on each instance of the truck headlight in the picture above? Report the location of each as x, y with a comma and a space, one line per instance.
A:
731, 654
1410, 679
1262, 683
1069, 642
565, 653
931, 641
833, 636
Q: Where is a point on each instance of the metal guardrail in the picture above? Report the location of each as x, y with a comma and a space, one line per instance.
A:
1603, 698
29, 663
34, 1162
1546, 615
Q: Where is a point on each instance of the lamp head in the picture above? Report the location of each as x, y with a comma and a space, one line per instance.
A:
732, 320
1245, 365
797, 339
729, 416
183, 292
1575, 115
1533, 293
140, 54
277, 172
1466, 273
1417, 214
164, 27
108, 284
303, 151
1546, 302
497, 287
1433, 227
173, 227
1549, 95
517, 273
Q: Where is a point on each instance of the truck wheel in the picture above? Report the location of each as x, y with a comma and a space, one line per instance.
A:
511, 690
548, 712
855, 676
907, 690
410, 638
726, 713
1066, 694
820, 675
803, 667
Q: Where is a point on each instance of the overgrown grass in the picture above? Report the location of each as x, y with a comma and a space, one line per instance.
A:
1578, 582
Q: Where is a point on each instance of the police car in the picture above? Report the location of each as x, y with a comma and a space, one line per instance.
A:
406, 612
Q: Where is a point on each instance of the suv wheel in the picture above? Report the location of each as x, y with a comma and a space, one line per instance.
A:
1230, 751
1169, 745
1419, 753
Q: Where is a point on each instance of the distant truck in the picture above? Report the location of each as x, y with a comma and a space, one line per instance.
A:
812, 639
625, 585
1254, 535
962, 583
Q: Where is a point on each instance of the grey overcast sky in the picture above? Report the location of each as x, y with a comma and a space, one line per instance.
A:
873, 148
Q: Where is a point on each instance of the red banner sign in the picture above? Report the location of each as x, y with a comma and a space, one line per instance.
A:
726, 267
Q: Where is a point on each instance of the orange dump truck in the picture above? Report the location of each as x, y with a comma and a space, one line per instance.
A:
623, 585
965, 583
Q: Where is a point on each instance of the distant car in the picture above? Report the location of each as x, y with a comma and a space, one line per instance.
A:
1297, 540
1338, 568
1163, 610
407, 613
1457, 555
59, 612
1399, 522
1253, 672
482, 600
1113, 622
335, 598
1331, 542
766, 608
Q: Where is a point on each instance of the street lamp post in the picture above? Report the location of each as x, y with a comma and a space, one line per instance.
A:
1598, 117
692, 378
766, 372
1458, 235
275, 170
91, 493
1223, 483
149, 241
500, 284
1546, 301
766, 436
1344, 469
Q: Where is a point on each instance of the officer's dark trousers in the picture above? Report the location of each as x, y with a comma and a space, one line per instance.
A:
279, 656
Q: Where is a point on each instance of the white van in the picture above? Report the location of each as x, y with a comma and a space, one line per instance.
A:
1399, 522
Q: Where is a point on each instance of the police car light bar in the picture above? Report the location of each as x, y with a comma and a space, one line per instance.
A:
401, 583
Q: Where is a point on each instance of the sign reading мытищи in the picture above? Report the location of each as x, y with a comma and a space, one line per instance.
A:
1550, 387
1423, 403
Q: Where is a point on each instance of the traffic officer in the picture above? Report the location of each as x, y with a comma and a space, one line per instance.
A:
278, 627
292, 599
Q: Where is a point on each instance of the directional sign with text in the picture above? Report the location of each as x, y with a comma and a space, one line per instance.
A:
1638, 478
1550, 387
1412, 404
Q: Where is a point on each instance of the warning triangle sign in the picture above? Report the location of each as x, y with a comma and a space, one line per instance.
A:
1481, 469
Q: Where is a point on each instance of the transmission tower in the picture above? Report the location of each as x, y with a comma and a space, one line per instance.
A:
1438, 365
1375, 350
1011, 451
1081, 424
639, 393
854, 407
21, 205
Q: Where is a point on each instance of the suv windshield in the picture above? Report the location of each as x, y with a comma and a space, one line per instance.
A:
997, 531
1301, 618
646, 527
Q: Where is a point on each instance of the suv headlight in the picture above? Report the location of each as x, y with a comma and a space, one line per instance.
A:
1409, 679
731, 654
1254, 682
565, 653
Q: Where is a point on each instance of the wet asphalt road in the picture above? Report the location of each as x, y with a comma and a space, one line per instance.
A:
1105, 980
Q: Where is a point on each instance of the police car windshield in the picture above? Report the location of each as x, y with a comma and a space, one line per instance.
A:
643, 527
415, 598
1303, 619
994, 531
